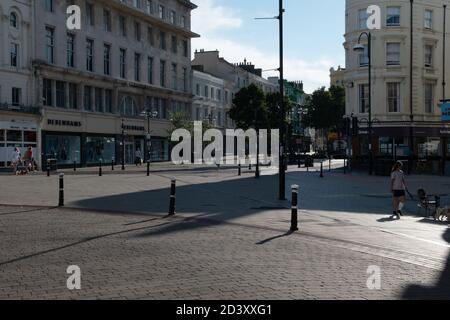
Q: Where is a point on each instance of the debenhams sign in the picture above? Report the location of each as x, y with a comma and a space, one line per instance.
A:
63, 123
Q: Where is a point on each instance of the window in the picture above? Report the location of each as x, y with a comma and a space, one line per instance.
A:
107, 59
87, 98
98, 100
60, 94
123, 57
128, 107
70, 50
150, 36
14, 54
47, 93
137, 31
162, 40
185, 49
137, 67
185, 80
219, 95
206, 92
212, 93
162, 73
393, 96
428, 56
107, 20
49, 5
392, 54
137, 4
161, 12
123, 26
90, 55
226, 96
429, 97
89, 13
364, 57
173, 73
16, 96
13, 20
73, 96
428, 23
363, 98
174, 44
108, 100
150, 70
149, 7
183, 21
363, 16
197, 89
50, 44
172, 17
393, 16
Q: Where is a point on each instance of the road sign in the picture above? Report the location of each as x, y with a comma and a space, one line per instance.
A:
445, 108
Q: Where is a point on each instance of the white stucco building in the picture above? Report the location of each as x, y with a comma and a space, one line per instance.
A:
84, 91
408, 81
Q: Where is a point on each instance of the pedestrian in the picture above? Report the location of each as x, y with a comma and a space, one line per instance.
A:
398, 189
28, 159
138, 157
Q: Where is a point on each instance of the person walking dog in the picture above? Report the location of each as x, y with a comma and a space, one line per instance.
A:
398, 189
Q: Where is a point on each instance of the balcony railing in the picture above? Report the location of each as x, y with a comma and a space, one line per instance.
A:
20, 108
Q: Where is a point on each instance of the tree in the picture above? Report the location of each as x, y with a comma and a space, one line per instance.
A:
274, 110
249, 105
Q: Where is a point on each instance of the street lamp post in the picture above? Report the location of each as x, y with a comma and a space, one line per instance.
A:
360, 48
149, 114
257, 173
123, 146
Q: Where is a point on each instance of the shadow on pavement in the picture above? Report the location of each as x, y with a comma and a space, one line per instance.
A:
441, 291
275, 238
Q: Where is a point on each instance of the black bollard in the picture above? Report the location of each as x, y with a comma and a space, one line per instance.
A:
61, 190
321, 169
329, 165
148, 168
48, 170
172, 197
299, 162
345, 166
112, 165
239, 170
294, 215
100, 170
74, 166
250, 166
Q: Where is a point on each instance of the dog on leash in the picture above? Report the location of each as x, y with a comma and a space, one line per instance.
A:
442, 213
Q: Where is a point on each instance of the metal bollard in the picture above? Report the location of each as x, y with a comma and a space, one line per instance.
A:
74, 166
299, 162
345, 166
294, 214
61, 190
172, 197
239, 170
250, 166
321, 169
100, 170
329, 165
148, 168
112, 165
48, 171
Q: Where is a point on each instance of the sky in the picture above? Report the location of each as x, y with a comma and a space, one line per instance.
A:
313, 35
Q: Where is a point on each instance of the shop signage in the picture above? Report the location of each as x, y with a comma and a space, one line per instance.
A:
63, 123
445, 108
133, 128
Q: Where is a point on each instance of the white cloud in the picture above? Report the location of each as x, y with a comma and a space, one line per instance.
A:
314, 74
209, 17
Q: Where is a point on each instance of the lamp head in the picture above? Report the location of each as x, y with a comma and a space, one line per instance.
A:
359, 48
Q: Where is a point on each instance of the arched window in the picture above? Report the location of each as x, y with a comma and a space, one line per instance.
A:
128, 107
13, 20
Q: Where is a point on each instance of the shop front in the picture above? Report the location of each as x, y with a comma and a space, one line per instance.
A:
429, 153
17, 132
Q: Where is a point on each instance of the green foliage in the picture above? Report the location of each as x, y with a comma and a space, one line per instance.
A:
326, 108
251, 106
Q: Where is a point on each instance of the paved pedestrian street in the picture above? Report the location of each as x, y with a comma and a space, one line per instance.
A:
228, 240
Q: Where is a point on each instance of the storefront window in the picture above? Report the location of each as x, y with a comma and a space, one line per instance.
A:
386, 146
2, 137
428, 147
65, 149
160, 150
100, 149
14, 135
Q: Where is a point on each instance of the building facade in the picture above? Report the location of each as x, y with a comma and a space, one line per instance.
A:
337, 77
87, 92
213, 98
408, 82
